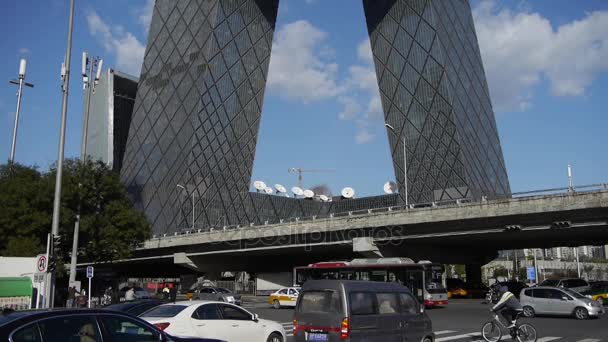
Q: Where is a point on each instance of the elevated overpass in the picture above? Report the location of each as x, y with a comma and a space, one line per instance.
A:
466, 233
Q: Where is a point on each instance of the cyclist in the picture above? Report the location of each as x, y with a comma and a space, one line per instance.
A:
508, 306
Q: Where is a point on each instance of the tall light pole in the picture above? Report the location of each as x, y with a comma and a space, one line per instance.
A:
65, 76
404, 164
186, 190
20, 83
89, 88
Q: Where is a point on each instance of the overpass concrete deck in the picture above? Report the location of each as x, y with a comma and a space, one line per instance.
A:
464, 233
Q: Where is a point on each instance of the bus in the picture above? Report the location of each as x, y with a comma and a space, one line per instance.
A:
424, 278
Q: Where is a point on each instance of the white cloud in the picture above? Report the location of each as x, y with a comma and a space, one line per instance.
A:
24, 51
351, 108
363, 136
145, 15
298, 68
128, 50
521, 49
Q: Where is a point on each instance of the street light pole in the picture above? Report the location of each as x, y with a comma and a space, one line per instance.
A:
20, 83
187, 193
65, 75
404, 165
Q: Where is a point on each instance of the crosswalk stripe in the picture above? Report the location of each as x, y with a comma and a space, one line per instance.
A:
443, 332
590, 340
547, 339
456, 337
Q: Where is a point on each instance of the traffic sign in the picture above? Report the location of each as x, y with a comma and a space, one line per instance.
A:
89, 272
531, 273
41, 263
39, 277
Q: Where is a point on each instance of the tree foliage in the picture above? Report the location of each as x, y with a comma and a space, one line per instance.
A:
109, 227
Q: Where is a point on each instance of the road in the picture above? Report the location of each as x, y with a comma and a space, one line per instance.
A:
462, 320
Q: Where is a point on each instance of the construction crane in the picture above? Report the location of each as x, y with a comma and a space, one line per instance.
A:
299, 171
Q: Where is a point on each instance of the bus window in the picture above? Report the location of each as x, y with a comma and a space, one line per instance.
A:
378, 276
434, 279
362, 275
414, 282
347, 275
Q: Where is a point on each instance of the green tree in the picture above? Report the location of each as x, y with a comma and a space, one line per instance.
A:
109, 227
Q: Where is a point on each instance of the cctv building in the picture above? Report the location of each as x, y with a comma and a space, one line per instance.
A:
194, 128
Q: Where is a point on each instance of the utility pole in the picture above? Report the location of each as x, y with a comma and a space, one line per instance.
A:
89, 87
65, 76
570, 183
20, 83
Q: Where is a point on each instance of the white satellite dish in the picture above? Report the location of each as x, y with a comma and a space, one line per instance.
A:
324, 198
268, 190
297, 191
390, 188
259, 185
309, 194
280, 189
348, 192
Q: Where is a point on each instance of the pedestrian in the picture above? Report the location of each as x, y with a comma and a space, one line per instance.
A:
166, 293
173, 293
130, 294
71, 302
107, 296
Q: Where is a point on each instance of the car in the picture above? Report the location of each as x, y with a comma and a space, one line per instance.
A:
598, 291
213, 319
286, 296
84, 325
137, 307
513, 286
456, 287
216, 293
353, 311
547, 300
140, 293
575, 284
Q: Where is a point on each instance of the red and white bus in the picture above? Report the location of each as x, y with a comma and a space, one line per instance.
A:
424, 278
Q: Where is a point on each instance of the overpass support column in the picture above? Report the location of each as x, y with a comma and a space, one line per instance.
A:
473, 273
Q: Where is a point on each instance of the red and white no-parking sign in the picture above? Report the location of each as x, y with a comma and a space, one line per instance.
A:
41, 263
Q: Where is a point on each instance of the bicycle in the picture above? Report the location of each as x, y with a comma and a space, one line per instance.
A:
492, 331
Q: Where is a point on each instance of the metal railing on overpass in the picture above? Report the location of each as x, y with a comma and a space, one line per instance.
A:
412, 207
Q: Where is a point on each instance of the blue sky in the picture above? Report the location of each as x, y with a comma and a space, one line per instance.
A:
546, 62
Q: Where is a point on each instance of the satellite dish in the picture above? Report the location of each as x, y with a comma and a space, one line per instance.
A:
324, 198
280, 189
297, 191
348, 192
390, 188
268, 190
259, 185
309, 194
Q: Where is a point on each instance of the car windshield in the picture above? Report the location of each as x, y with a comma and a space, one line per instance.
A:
223, 290
573, 293
164, 311
550, 282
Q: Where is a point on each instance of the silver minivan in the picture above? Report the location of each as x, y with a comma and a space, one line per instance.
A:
574, 284
544, 300
346, 310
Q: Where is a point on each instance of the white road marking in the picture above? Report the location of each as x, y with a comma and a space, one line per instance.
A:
456, 337
443, 332
547, 339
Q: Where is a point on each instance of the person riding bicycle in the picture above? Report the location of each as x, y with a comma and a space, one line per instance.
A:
508, 306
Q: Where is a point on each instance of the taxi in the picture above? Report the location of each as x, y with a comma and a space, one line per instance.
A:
287, 296
598, 291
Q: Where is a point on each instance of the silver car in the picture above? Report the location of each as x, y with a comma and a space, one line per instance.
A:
217, 294
574, 284
558, 301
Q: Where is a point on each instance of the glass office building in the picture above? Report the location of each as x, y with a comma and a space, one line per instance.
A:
192, 140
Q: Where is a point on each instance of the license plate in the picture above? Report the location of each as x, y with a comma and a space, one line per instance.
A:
316, 337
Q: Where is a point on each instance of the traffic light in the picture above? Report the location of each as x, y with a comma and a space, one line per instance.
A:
52, 264
56, 245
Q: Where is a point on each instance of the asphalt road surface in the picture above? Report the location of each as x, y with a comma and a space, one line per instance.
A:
461, 321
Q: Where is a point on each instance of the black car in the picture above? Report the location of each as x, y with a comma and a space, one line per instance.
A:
136, 308
80, 325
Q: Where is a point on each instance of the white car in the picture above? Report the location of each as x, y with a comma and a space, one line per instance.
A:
217, 320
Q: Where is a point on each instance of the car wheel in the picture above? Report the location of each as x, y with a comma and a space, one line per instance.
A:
427, 339
276, 304
274, 337
581, 313
529, 311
